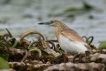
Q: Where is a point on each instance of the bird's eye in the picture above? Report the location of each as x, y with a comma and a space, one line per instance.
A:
51, 22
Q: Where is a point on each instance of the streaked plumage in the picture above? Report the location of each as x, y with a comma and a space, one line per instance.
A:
68, 39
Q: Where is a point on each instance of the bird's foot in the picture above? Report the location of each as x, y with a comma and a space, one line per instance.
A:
75, 56
87, 53
82, 57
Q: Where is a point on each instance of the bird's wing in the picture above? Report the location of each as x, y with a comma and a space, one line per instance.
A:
72, 35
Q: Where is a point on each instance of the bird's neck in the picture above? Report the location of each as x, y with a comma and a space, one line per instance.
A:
61, 25
59, 28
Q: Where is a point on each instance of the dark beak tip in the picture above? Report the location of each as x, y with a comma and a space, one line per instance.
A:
41, 23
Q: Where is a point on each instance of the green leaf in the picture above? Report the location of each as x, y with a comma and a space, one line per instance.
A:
4, 56
15, 44
3, 64
38, 50
102, 45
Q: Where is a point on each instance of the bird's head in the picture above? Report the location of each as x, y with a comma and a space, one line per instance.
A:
52, 23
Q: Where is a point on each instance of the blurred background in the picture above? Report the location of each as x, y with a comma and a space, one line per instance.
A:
87, 17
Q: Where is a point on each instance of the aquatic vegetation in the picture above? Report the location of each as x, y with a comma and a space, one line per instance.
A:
102, 45
3, 64
46, 55
72, 12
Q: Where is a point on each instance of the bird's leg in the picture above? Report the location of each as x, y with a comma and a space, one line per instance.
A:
87, 53
75, 56
66, 57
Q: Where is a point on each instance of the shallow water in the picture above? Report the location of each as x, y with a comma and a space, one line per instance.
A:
20, 15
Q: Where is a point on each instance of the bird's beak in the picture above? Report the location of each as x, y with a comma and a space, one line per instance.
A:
46, 23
